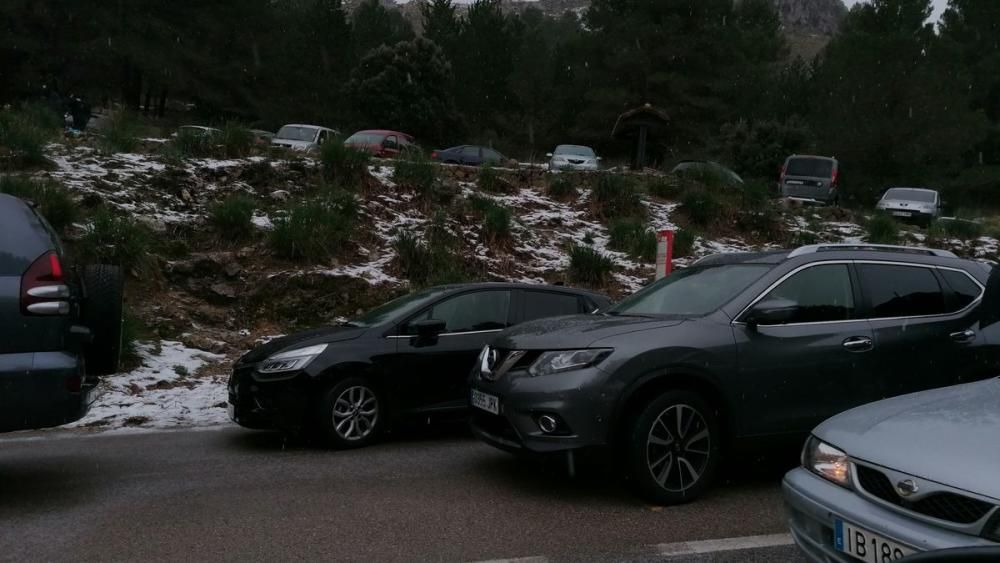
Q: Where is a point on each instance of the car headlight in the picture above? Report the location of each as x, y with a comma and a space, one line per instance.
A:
568, 360
827, 461
291, 360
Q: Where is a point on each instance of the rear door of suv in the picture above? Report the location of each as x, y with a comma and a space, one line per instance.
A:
925, 325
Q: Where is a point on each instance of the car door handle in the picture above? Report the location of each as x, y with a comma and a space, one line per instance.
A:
858, 344
963, 336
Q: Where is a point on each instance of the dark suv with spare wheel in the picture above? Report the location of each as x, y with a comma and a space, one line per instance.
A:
407, 358
60, 326
737, 350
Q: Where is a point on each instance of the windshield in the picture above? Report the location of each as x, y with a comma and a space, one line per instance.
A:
396, 309
365, 139
574, 150
910, 194
691, 292
811, 167
293, 133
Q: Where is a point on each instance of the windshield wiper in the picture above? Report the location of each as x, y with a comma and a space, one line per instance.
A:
620, 314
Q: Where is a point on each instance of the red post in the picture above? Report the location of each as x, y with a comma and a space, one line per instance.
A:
664, 253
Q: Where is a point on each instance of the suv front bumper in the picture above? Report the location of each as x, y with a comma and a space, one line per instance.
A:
574, 398
813, 505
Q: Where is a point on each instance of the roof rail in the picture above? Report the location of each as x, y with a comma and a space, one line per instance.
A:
813, 248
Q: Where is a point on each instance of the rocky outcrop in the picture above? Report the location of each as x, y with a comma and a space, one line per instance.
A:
813, 17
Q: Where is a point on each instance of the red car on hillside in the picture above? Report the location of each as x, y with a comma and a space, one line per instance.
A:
382, 142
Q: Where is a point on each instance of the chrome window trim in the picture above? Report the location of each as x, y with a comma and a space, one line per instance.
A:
982, 291
449, 333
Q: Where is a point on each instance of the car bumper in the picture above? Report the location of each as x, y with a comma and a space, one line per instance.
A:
813, 505
907, 213
42, 390
569, 167
574, 398
265, 405
809, 195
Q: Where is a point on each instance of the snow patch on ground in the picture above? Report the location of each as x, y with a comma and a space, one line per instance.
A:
165, 392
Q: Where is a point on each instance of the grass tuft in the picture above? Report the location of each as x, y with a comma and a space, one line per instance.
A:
589, 267
314, 229
561, 187
118, 240
633, 237
345, 166
51, 199
617, 197
233, 217
882, 229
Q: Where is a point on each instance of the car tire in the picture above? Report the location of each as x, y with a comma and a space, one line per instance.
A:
102, 312
667, 470
351, 414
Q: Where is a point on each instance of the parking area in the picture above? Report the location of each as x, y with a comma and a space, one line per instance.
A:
432, 495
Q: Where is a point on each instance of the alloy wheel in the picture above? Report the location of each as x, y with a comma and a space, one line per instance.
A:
678, 448
355, 413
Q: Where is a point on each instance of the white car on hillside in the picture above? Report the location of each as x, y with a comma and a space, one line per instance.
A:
574, 157
303, 137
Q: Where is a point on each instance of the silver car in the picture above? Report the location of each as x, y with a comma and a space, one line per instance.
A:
303, 137
574, 157
913, 473
916, 204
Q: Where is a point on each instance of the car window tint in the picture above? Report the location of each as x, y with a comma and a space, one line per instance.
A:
492, 155
901, 291
823, 293
470, 151
814, 167
964, 290
391, 142
542, 304
481, 310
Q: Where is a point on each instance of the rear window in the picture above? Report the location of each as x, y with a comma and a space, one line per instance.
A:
902, 291
365, 139
910, 194
543, 304
26, 236
811, 167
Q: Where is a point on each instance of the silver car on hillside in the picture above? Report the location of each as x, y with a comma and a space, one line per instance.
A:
914, 473
915, 204
574, 157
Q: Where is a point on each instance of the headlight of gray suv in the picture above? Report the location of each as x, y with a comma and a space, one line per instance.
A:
568, 360
827, 461
291, 360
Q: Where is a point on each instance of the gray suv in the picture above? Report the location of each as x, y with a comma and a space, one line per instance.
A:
60, 326
810, 178
735, 352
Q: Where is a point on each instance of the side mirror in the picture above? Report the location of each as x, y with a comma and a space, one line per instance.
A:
548, 154
600, 158
772, 312
429, 329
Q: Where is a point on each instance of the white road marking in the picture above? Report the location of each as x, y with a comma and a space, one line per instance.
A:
725, 544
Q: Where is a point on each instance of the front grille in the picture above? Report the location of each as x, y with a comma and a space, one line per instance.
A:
950, 507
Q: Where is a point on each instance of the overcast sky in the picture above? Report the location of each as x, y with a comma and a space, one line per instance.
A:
939, 6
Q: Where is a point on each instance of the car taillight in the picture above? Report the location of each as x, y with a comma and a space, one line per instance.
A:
434, 155
43, 288
833, 182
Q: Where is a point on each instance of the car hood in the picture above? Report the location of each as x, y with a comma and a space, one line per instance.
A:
578, 331
946, 435
300, 145
322, 335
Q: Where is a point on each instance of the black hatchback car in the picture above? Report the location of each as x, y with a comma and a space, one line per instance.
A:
410, 356
60, 324
738, 350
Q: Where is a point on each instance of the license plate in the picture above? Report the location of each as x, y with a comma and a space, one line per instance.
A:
866, 545
231, 409
488, 403
901, 214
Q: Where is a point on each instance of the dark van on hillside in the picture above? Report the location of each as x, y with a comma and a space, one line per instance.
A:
810, 178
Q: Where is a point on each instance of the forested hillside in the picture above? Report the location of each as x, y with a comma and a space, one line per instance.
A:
896, 99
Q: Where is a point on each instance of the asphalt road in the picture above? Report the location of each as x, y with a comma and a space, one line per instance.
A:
230, 494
